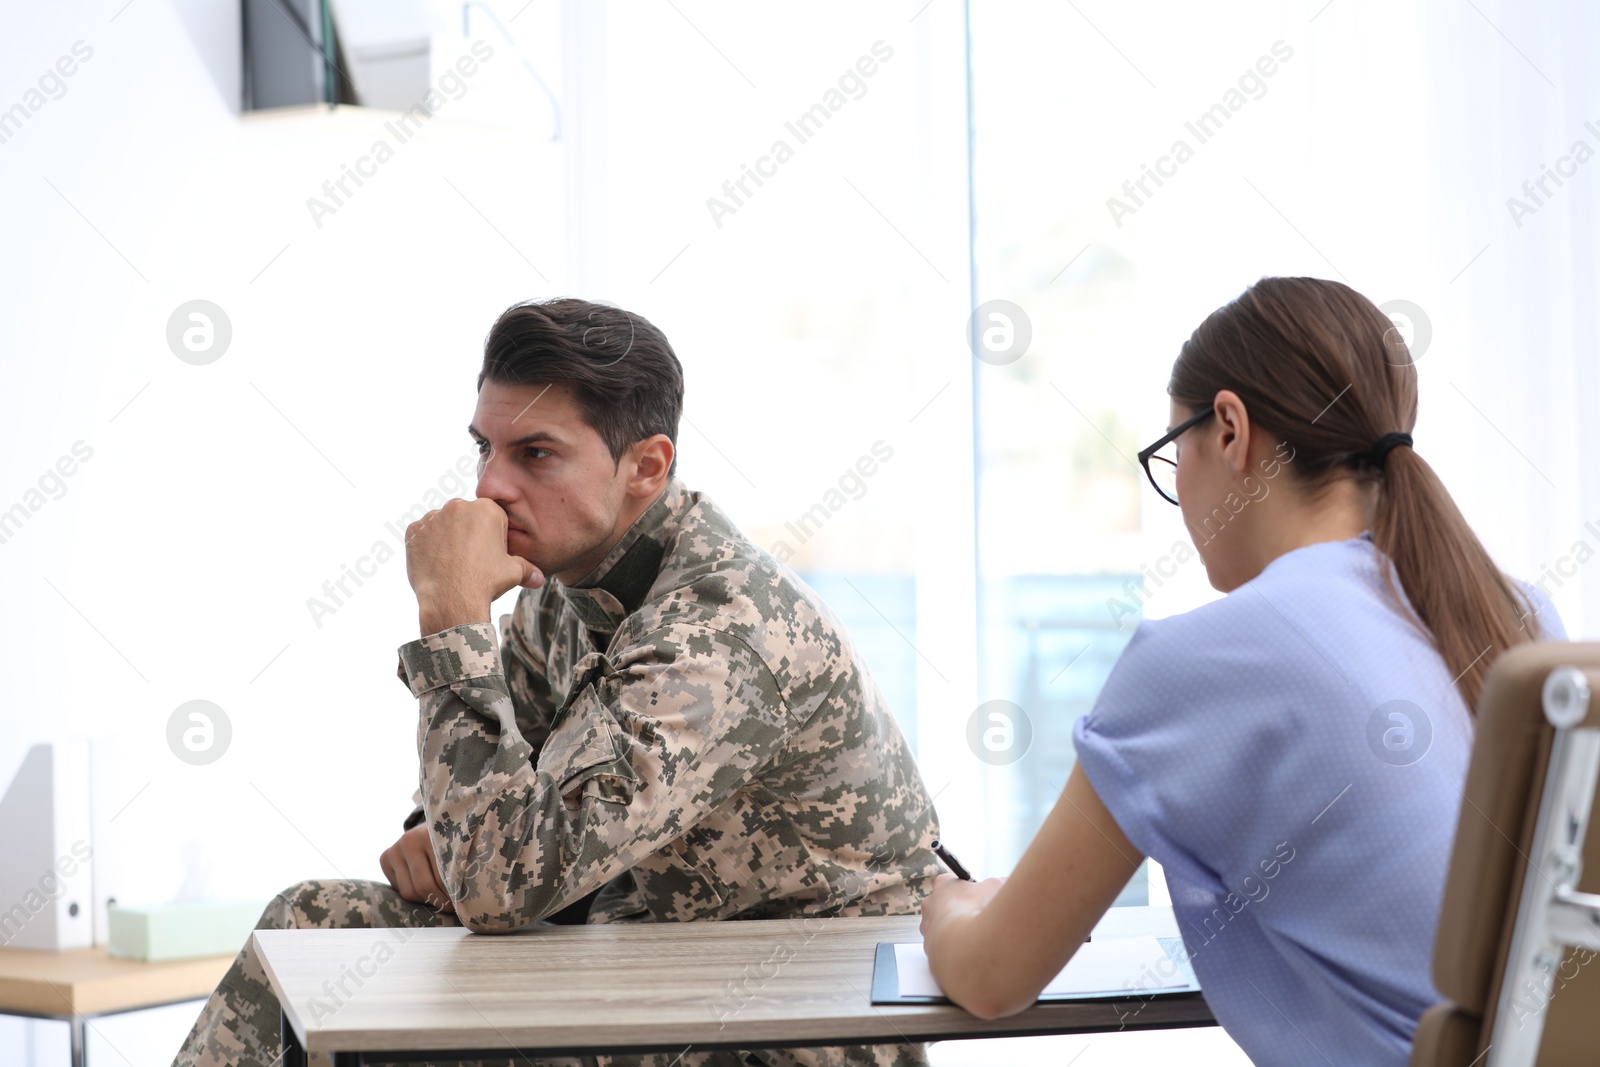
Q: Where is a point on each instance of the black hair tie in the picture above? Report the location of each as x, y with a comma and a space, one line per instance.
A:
1375, 456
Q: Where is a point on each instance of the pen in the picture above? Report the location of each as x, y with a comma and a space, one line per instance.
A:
961, 872
951, 862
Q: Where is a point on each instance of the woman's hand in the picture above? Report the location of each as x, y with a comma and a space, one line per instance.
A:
993, 945
953, 897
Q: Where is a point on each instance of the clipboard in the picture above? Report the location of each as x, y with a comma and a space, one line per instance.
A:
886, 979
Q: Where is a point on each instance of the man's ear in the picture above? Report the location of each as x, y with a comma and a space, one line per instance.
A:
1233, 429
652, 460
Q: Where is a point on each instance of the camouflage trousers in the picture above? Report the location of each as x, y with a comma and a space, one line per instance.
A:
239, 1024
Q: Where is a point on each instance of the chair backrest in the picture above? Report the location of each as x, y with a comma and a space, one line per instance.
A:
1517, 990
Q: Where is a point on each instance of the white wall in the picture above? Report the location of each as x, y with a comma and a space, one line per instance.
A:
178, 561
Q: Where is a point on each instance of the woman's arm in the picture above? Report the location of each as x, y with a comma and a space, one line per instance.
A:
994, 945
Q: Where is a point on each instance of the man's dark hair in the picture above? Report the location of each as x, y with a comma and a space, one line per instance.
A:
625, 375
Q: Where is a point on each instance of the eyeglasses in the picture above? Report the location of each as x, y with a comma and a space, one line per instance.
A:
1163, 473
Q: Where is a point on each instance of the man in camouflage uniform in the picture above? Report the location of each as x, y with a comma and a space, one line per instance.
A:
673, 727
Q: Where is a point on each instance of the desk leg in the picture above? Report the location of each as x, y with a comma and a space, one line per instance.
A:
293, 1054
76, 1027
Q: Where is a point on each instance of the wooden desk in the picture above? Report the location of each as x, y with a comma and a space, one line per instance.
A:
81, 984
386, 996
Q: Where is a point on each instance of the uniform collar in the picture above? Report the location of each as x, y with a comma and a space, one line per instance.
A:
619, 583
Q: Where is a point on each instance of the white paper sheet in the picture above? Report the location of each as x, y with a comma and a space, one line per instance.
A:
1109, 966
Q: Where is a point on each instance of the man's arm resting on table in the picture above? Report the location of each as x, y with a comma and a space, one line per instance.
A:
646, 746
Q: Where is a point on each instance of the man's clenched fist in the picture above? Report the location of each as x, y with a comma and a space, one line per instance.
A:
411, 869
457, 562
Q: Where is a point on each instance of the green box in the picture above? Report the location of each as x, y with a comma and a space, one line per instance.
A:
181, 931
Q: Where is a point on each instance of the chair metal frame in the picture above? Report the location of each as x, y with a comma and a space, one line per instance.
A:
1552, 914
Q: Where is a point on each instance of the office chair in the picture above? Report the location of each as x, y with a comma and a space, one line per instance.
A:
1516, 949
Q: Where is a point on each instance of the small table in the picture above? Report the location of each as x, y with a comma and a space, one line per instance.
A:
398, 996
83, 984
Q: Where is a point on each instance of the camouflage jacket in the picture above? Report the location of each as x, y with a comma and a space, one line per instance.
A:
689, 727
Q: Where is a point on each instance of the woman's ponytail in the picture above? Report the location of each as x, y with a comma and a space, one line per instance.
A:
1457, 592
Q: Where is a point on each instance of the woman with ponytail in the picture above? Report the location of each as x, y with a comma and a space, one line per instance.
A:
1292, 754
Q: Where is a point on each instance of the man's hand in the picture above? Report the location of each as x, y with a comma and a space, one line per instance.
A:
412, 870
457, 562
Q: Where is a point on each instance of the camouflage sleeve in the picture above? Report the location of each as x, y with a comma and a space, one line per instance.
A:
650, 739
522, 658
522, 662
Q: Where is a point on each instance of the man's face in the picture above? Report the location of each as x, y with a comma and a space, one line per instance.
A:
551, 473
